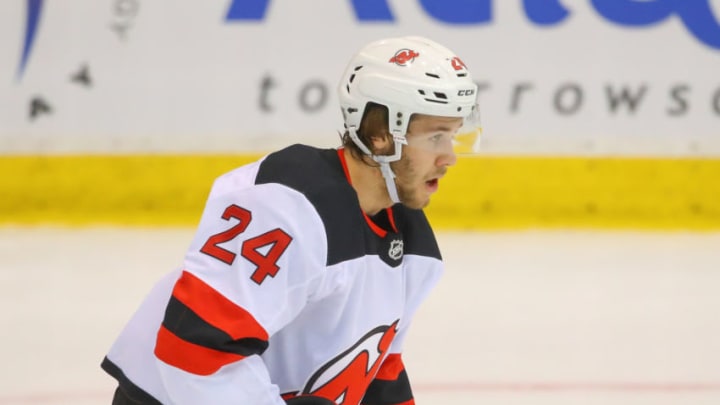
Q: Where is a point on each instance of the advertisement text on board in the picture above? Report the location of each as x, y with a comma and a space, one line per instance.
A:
696, 15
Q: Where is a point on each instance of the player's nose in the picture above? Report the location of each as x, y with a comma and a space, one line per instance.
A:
447, 157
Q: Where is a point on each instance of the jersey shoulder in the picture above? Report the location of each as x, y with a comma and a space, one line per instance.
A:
319, 176
305, 169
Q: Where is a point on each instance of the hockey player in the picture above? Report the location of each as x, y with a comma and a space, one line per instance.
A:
308, 266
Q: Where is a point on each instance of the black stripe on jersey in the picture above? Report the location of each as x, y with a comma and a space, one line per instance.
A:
382, 392
185, 324
319, 176
135, 393
416, 230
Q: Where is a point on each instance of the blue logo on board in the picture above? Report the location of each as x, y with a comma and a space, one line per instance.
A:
34, 10
696, 15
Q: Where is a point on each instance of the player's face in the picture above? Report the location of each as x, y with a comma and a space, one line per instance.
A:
426, 158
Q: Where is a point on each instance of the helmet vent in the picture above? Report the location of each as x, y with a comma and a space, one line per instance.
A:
352, 77
437, 97
422, 92
461, 74
432, 75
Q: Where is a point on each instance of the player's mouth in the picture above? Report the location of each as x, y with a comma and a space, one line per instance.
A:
432, 184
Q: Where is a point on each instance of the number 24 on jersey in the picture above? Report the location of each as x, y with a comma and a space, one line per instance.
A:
252, 248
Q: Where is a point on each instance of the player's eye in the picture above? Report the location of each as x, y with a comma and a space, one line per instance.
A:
436, 138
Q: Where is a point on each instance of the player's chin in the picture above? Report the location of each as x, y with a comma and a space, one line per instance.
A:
417, 202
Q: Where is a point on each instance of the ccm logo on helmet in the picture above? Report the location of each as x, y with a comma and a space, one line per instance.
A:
404, 57
468, 92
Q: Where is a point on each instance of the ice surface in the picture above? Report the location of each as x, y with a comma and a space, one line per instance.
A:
527, 317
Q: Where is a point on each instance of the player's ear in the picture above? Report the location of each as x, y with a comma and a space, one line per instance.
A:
382, 144
374, 130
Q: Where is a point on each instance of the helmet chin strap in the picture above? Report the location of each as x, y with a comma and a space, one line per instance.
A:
389, 181
383, 161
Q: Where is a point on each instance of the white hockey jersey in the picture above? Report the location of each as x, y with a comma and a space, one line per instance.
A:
287, 289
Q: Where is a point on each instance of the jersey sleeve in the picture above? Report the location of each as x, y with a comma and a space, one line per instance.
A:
257, 258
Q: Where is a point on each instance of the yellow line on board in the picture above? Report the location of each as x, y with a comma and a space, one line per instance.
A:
478, 193
629, 193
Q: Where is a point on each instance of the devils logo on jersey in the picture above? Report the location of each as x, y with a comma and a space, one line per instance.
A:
345, 378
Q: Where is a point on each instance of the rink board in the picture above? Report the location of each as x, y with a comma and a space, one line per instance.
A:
496, 192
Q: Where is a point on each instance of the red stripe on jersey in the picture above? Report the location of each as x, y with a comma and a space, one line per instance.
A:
343, 163
216, 309
378, 231
391, 218
190, 357
391, 368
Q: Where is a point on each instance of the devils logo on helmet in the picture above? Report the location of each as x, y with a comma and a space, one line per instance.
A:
404, 57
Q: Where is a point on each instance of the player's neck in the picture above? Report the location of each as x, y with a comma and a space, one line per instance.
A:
369, 184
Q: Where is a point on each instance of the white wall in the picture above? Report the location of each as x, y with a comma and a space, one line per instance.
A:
177, 76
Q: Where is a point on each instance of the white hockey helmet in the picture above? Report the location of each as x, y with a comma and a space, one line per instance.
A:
409, 75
